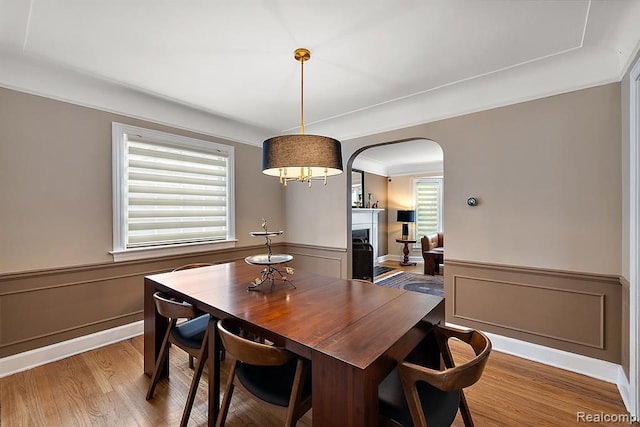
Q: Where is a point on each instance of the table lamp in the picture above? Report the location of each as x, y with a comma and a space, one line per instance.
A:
406, 216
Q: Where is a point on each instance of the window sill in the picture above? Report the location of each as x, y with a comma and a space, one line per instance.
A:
162, 251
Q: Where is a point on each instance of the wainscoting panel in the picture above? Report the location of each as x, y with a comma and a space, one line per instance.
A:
327, 261
40, 308
36, 313
532, 302
579, 313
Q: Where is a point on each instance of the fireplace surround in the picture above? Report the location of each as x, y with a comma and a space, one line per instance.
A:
364, 222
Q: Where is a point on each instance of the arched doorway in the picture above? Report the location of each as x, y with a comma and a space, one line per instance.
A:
397, 164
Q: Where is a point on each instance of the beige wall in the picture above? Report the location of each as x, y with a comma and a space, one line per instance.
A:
55, 168
547, 173
548, 177
377, 186
400, 197
57, 278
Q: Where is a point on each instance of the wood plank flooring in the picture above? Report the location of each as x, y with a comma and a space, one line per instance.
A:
106, 387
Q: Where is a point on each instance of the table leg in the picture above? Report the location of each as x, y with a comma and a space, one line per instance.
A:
405, 252
155, 327
343, 395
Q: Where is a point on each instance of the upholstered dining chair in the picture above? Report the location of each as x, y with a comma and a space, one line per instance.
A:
191, 336
273, 375
188, 267
415, 395
192, 265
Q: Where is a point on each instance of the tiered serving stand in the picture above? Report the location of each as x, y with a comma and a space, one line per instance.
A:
269, 261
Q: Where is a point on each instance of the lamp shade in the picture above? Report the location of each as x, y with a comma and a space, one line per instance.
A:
294, 155
406, 216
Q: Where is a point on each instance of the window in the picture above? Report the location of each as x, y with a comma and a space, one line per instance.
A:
428, 201
172, 194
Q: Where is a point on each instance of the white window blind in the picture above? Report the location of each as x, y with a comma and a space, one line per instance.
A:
428, 202
172, 192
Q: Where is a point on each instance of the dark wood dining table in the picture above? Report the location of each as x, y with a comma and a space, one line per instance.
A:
353, 332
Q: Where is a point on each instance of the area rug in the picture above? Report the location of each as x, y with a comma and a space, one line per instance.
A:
415, 282
378, 270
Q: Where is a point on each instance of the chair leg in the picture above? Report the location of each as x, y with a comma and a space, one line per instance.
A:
296, 393
429, 264
464, 411
226, 400
439, 260
164, 351
190, 362
193, 389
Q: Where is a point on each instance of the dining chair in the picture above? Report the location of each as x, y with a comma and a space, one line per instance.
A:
192, 265
191, 336
188, 267
275, 376
415, 395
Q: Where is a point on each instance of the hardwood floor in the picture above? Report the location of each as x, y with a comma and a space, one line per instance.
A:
106, 387
418, 268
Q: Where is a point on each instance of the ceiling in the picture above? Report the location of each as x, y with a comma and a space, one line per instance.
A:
227, 68
418, 156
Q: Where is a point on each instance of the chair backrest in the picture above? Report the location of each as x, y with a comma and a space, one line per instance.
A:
173, 309
453, 377
430, 242
248, 351
192, 265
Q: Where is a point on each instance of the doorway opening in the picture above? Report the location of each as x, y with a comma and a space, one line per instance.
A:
380, 182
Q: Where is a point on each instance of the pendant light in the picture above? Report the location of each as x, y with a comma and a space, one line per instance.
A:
301, 157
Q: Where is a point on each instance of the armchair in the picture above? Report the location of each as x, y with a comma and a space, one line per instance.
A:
432, 252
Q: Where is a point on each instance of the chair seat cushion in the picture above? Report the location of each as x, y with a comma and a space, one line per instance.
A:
191, 333
273, 383
435, 251
440, 408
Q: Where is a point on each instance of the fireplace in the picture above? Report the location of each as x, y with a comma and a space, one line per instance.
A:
364, 225
361, 235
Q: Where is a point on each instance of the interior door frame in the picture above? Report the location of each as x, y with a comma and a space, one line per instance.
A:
348, 171
634, 240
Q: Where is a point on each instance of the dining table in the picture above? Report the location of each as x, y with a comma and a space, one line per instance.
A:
353, 332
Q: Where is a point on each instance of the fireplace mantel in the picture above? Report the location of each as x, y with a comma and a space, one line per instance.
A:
367, 219
360, 210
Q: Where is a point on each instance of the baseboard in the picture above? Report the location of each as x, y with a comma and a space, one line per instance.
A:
625, 391
30, 359
594, 368
385, 258
599, 369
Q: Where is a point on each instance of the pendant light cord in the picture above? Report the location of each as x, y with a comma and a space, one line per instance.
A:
302, 97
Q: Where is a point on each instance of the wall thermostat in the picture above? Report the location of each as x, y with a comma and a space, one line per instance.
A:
472, 201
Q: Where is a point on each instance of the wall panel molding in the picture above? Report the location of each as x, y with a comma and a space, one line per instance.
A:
570, 311
597, 303
77, 327
319, 259
44, 307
